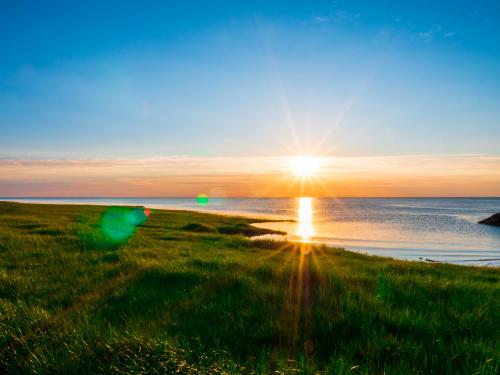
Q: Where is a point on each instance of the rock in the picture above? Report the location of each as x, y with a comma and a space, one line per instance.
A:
492, 220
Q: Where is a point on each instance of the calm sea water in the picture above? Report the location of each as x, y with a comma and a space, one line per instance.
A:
440, 229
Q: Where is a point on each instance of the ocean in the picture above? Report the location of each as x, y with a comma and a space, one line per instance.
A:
422, 229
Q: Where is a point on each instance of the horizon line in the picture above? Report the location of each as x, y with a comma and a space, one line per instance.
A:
262, 197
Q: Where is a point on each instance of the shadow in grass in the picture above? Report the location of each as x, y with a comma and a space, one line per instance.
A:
111, 258
50, 232
199, 228
231, 229
246, 230
148, 296
30, 226
200, 311
211, 238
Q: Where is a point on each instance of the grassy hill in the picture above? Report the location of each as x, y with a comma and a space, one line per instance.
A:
87, 289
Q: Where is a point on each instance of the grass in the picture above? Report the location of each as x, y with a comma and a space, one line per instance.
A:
188, 293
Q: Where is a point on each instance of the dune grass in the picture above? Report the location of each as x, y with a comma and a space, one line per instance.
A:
187, 292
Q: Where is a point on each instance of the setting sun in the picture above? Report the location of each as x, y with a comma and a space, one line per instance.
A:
304, 166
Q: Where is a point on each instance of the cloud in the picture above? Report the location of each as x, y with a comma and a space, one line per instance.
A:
426, 36
414, 175
437, 31
338, 17
322, 19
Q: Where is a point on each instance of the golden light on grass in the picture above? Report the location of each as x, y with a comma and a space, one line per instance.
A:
304, 165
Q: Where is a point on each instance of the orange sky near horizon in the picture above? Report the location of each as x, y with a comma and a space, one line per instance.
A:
182, 176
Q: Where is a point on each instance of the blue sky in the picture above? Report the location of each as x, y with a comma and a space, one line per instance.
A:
348, 78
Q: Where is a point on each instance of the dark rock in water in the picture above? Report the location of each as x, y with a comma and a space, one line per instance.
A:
492, 220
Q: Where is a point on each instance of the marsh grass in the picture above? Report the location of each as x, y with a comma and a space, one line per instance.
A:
189, 293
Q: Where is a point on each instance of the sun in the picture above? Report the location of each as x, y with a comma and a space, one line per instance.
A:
304, 165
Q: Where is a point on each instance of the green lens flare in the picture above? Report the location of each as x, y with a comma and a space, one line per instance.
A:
202, 199
119, 223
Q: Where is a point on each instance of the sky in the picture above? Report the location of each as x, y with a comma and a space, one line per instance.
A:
397, 98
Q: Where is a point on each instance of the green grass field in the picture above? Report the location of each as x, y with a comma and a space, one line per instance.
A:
82, 290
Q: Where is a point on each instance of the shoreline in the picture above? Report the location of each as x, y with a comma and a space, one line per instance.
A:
262, 221
245, 214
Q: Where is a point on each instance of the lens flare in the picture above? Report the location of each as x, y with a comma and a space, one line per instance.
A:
119, 223
202, 199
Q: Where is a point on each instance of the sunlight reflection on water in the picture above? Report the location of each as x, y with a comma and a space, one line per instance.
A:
305, 223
